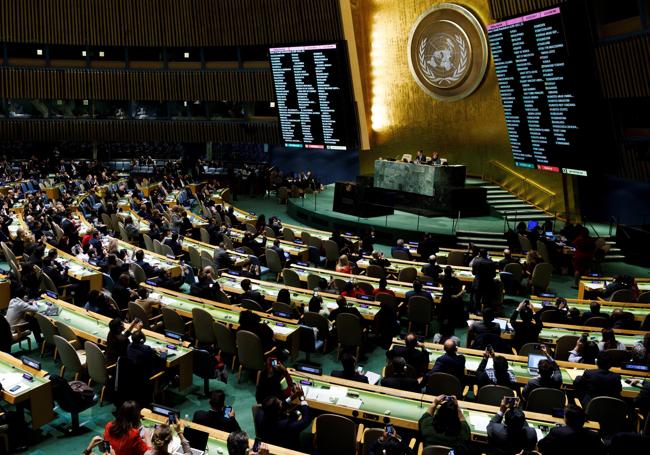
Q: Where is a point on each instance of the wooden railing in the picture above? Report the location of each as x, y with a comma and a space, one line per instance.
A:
522, 187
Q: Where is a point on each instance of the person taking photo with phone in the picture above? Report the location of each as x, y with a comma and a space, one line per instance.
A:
219, 416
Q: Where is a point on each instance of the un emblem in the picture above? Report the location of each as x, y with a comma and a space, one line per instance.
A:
448, 52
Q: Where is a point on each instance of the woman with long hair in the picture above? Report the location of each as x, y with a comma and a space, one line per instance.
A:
444, 424
163, 435
609, 341
123, 434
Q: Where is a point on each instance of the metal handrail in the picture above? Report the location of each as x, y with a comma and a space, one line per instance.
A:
522, 177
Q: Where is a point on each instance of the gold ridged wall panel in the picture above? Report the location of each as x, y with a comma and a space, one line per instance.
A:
79, 84
169, 22
624, 67
116, 130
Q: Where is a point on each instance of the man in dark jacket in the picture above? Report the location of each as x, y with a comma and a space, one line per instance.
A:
277, 426
514, 434
450, 362
572, 438
414, 353
399, 379
215, 417
599, 382
349, 370
550, 375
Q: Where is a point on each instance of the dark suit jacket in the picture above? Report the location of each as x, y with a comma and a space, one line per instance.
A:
417, 358
403, 248
284, 432
402, 383
565, 440
149, 270
501, 444
451, 364
425, 294
598, 383
355, 377
216, 419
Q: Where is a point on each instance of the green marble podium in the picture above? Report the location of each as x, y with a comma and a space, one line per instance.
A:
418, 178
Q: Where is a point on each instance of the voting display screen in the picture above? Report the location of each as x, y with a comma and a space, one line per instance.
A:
540, 96
313, 96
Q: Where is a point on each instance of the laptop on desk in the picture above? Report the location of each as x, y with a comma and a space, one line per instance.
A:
533, 362
197, 439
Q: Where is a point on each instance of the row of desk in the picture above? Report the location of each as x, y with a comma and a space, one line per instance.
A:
598, 285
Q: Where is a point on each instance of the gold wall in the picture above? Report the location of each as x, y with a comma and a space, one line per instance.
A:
402, 118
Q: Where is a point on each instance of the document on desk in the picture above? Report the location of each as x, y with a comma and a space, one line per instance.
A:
574, 373
373, 378
479, 421
11, 380
472, 365
354, 403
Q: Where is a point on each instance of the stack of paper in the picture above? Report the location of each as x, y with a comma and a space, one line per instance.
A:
10, 380
471, 364
354, 403
479, 421
373, 378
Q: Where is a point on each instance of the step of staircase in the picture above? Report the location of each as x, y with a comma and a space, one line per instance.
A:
518, 205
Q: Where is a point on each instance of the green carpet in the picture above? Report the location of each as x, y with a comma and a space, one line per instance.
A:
242, 395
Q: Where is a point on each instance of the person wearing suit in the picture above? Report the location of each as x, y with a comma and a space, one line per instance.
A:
528, 328
432, 268
508, 432
278, 249
149, 270
215, 416
253, 295
221, 257
572, 437
399, 380
343, 307
349, 370
278, 425
417, 291
599, 382
413, 352
594, 311
172, 242
400, 247
450, 362
427, 246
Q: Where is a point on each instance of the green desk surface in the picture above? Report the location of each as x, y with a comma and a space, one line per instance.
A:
301, 298
220, 314
396, 288
84, 321
639, 313
11, 376
553, 334
398, 407
599, 285
77, 268
154, 261
291, 248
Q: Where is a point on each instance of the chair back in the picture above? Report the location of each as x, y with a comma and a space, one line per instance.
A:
543, 251
563, 345
283, 308
407, 274
225, 338
375, 271
273, 261
96, 363
227, 243
619, 356
68, 354
66, 332
205, 235
366, 287
645, 325
137, 311
409, 371
148, 243
541, 276
516, 270
48, 329
349, 330
172, 321
420, 310
544, 400
288, 234
107, 282
456, 258
305, 236
269, 232
249, 350
331, 250
493, 394
47, 284
318, 321
623, 295
106, 219
345, 442
195, 257
157, 246
250, 305
138, 273
436, 450
315, 242
386, 299
58, 232
291, 278
339, 284
610, 413
444, 384
549, 315
524, 243
312, 280
166, 250
370, 437
207, 262
597, 321
202, 321
644, 297
529, 348
400, 254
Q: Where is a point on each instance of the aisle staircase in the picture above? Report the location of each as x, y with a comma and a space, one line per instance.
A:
508, 206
